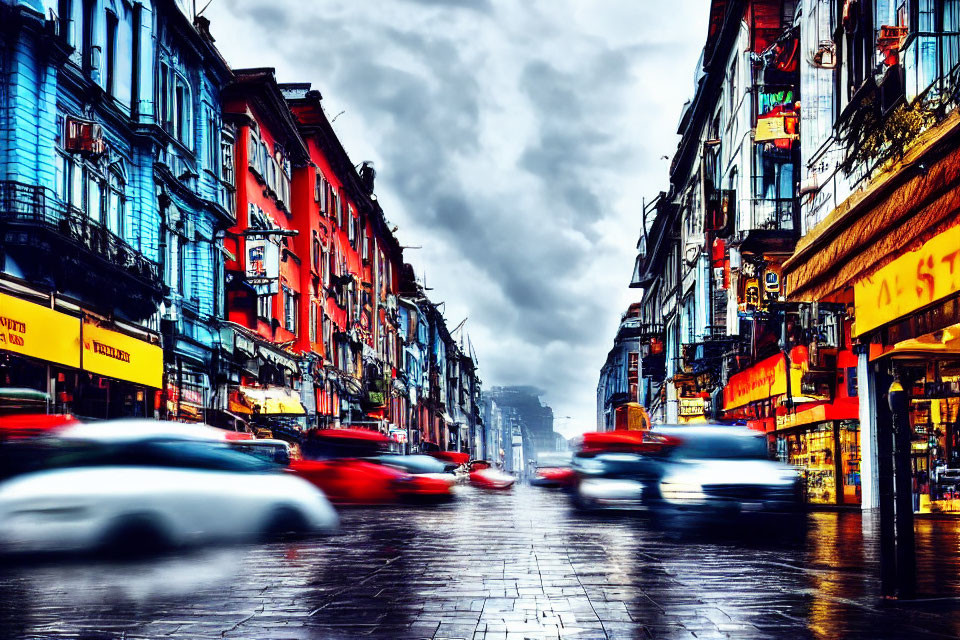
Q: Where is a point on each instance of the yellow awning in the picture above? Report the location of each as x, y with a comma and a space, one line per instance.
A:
896, 213
274, 400
944, 343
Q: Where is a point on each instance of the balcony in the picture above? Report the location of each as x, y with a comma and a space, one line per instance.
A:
931, 65
54, 241
771, 224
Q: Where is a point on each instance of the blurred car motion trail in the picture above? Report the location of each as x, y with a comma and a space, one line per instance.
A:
137, 485
704, 469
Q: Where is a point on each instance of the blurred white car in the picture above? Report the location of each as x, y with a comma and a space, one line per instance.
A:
123, 493
725, 469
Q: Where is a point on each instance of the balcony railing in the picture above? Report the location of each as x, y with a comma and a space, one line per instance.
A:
931, 61
30, 206
773, 214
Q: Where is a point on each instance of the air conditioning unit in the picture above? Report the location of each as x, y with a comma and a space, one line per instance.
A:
84, 137
825, 57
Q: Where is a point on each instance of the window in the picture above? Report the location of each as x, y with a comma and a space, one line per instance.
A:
63, 174
253, 151
327, 329
65, 20
89, 57
263, 161
116, 204
93, 203
164, 97
858, 51
110, 53
135, 59
733, 88
213, 141
316, 252
351, 227
289, 310
174, 262
181, 124
320, 192
264, 307
334, 205
226, 161
313, 321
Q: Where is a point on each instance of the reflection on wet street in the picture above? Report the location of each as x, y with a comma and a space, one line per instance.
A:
498, 565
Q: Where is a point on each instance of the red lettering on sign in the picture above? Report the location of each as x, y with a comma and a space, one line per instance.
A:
925, 278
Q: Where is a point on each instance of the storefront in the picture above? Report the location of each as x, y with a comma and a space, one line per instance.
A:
269, 408
827, 452
88, 368
810, 424
891, 254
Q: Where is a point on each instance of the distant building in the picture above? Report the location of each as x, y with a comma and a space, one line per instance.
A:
535, 418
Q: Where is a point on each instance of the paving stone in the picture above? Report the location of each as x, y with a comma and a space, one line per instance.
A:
519, 564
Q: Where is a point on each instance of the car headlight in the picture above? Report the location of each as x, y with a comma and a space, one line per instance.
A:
683, 492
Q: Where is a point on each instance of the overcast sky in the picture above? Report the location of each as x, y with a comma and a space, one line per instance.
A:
514, 141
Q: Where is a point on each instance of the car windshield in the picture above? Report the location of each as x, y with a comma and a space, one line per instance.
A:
181, 454
724, 447
269, 452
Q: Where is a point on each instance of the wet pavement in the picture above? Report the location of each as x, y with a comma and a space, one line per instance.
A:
500, 565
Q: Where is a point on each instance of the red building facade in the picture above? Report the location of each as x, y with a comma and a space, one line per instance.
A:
263, 267
350, 279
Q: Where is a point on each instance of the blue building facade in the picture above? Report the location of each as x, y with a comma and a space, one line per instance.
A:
194, 177
111, 195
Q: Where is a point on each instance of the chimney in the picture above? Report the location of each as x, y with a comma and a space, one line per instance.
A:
367, 176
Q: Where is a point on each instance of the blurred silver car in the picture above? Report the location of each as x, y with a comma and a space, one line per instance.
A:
120, 490
725, 469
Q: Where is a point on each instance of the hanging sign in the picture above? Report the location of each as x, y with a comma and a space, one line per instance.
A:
263, 265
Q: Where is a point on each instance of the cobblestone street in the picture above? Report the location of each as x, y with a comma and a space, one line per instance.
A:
495, 565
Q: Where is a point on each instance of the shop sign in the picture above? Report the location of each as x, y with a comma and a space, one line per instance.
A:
117, 355
398, 435
912, 281
186, 395
34, 330
766, 379
263, 265
693, 407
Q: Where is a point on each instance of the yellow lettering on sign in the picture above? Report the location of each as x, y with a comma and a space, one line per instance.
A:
911, 282
37, 331
117, 355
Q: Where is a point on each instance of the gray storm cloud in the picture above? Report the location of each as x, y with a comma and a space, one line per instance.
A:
514, 143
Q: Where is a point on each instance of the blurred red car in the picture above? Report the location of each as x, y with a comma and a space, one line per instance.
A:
626, 442
456, 457
346, 479
352, 481
29, 425
483, 476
